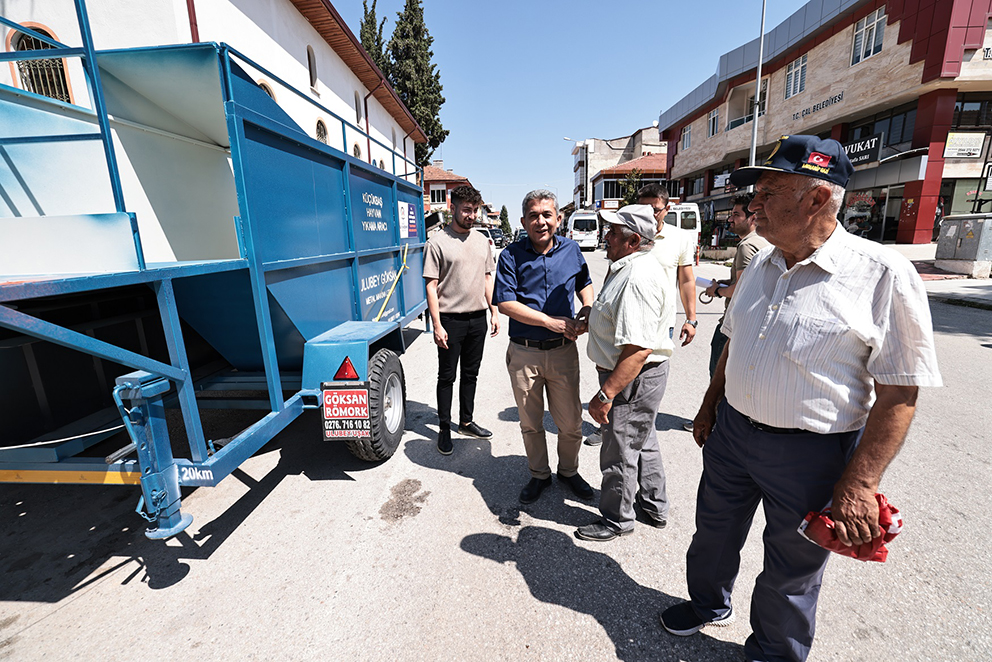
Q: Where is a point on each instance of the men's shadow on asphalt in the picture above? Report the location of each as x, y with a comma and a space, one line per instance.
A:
560, 572
498, 479
56, 540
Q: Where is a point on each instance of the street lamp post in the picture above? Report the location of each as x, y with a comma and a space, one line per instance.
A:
757, 86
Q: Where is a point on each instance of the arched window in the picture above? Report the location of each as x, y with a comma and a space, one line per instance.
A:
312, 65
44, 77
268, 90
358, 107
357, 151
321, 131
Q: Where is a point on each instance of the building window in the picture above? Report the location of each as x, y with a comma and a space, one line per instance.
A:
44, 77
312, 66
795, 77
762, 105
439, 195
686, 137
321, 132
713, 123
896, 125
356, 151
268, 90
868, 33
612, 189
972, 110
358, 107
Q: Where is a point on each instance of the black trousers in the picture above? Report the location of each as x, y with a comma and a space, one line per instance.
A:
466, 339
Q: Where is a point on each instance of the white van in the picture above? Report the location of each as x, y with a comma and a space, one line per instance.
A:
685, 215
583, 229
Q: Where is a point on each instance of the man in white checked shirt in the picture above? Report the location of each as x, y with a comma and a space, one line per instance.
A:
830, 340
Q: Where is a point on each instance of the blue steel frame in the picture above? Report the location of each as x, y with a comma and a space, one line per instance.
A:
159, 473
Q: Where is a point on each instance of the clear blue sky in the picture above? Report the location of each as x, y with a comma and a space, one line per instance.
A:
519, 76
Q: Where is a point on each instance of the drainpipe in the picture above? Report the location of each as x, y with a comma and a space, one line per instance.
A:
405, 173
366, 102
193, 29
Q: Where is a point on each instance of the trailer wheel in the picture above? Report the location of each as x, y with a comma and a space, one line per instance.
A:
387, 408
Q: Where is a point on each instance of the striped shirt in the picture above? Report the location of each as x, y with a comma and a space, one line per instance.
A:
630, 310
808, 343
673, 248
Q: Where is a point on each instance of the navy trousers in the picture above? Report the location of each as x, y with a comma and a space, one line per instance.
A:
790, 474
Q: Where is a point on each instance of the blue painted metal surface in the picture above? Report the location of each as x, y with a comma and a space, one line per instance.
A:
285, 268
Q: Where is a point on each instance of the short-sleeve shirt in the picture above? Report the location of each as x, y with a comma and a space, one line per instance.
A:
547, 283
460, 263
673, 248
748, 246
808, 343
630, 310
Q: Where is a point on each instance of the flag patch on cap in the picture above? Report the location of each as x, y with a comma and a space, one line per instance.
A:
818, 159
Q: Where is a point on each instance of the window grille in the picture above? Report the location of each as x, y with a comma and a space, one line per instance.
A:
44, 77
321, 132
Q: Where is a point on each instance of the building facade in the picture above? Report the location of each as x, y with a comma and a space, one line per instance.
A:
595, 154
608, 183
905, 85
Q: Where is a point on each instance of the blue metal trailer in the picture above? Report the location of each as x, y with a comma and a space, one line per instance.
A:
264, 261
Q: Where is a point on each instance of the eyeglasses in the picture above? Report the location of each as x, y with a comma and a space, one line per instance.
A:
659, 210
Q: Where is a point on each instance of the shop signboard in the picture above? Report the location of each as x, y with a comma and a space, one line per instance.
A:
865, 150
964, 145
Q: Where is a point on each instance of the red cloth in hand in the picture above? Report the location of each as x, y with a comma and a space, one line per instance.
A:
819, 528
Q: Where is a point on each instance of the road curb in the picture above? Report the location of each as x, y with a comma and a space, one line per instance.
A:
968, 302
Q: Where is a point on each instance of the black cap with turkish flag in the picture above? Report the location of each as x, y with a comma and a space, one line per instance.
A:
801, 155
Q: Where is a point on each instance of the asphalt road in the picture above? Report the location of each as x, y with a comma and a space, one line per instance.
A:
308, 553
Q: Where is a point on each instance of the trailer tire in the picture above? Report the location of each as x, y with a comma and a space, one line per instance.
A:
387, 408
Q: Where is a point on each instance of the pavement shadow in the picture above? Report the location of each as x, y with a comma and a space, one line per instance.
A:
559, 572
512, 415
498, 479
664, 422
960, 319
56, 540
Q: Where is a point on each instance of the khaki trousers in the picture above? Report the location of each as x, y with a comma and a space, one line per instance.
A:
532, 371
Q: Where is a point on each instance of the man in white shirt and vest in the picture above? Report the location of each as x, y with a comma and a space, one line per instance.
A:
630, 343
830, 340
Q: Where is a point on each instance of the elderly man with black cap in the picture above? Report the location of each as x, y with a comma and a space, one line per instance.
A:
629, 343
830, 340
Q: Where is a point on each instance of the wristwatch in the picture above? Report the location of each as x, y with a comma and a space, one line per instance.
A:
692, 323
602, 397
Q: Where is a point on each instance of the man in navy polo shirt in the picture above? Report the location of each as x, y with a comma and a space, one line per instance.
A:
537, 279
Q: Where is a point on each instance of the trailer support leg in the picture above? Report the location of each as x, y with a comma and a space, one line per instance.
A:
145, 422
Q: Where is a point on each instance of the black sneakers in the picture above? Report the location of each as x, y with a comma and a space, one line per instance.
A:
532, 490
473, 430
444, 446
681, 620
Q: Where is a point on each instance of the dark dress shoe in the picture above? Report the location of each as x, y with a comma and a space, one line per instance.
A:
473, 430
444, 446
578, 485
532, 490
599, 532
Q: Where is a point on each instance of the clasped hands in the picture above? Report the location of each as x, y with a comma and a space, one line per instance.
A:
571, 328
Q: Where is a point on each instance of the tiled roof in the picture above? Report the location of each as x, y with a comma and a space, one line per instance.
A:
437, 175
653, 164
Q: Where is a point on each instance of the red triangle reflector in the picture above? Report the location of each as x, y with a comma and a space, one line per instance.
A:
346, 372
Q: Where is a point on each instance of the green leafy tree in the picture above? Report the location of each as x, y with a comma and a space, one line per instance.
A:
415, 78
504, 222
629, 185
371, 37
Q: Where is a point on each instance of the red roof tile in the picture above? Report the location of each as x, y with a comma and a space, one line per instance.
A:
654, 164
437, 175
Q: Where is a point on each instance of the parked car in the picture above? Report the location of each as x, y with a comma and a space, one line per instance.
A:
499, 239
489, 236
583, 229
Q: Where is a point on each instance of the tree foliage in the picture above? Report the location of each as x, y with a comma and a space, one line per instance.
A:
371, 37
415, 78
504, 223
629, 185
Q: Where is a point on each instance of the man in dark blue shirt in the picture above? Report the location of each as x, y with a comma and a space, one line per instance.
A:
537, 279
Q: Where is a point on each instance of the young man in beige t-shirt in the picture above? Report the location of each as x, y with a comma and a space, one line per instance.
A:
458, 268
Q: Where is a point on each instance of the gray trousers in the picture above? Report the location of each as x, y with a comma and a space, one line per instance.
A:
790, 474
631, 443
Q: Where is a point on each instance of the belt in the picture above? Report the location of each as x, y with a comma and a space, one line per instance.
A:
774, 430
465, 316
647, 366
551, 343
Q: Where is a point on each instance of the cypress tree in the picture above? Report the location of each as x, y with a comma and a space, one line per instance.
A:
504, 223
415, 78
371, 37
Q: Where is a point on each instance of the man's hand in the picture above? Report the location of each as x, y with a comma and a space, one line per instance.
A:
855, 513
703, 424
711, 290
563, 325
600, 410
440, 336
494, 323
687, 333
582, 320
